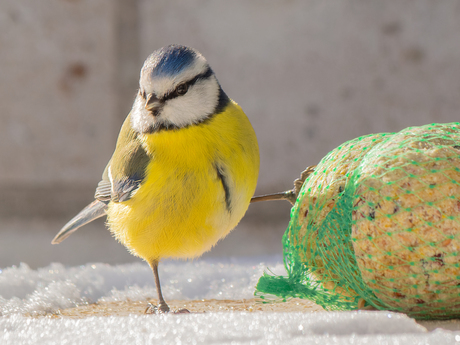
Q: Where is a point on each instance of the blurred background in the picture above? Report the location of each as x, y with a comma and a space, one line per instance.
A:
310, 75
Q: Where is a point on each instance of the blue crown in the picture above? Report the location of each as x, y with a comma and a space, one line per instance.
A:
171, 60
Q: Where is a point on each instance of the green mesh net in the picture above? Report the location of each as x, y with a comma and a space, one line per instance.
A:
377, 225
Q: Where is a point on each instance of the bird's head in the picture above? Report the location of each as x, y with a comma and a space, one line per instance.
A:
177, 88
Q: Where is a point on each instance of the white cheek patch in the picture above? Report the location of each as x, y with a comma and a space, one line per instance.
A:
141, 119
198, 103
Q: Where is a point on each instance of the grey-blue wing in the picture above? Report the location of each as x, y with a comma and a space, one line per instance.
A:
91, 212
121, 178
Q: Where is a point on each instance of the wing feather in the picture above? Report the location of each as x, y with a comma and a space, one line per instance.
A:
122, 177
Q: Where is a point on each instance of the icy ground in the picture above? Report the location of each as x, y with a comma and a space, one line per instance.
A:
24, 290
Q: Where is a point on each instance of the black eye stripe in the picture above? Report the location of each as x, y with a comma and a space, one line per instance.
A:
173, 94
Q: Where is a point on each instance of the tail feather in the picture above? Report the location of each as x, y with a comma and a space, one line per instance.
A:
91, 212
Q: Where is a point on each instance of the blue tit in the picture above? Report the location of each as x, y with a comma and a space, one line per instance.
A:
185, 165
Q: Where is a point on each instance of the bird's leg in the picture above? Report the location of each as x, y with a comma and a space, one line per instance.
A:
290, 195
162, 306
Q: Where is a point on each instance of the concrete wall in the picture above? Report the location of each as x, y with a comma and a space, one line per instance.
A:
57, 102
309, 74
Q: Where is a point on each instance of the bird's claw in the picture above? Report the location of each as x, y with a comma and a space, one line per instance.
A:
182, 311
298, 183
162, 309
292, 194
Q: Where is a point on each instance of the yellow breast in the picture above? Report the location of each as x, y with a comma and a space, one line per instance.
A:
198, 186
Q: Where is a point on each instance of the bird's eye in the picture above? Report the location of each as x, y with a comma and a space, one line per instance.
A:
181, 89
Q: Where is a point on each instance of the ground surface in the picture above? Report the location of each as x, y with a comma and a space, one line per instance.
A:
125, 308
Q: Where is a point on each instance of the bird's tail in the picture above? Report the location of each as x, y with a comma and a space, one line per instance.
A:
91, 212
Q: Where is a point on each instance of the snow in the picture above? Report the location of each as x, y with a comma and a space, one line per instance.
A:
23, 290
225, 328
44, 290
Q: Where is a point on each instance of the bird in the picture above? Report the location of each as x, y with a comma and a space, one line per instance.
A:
184, 168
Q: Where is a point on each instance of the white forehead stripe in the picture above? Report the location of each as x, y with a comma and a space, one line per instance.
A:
161, 85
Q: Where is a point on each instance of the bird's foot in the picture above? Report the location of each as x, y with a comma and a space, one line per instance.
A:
182, 311
303, 176
292, 195
163, 308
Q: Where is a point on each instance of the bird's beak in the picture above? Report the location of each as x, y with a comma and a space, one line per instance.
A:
152, 103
